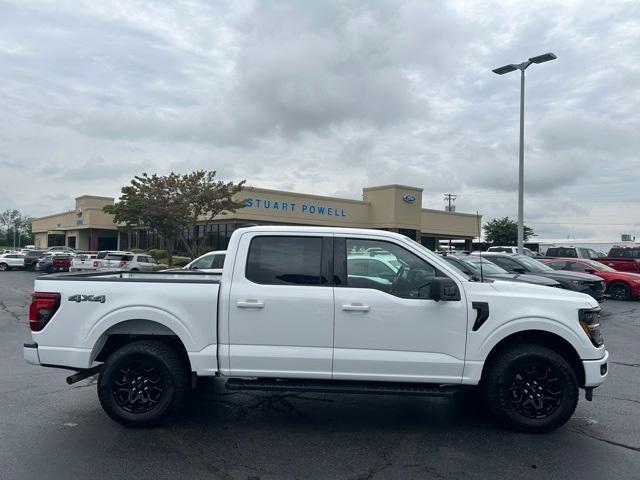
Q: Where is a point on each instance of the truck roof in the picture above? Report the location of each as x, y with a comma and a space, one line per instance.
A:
321, 230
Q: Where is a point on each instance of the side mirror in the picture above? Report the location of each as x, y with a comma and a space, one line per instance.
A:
590, 270
444, 289
519, 270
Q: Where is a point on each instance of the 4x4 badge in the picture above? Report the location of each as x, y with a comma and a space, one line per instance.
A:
87, 298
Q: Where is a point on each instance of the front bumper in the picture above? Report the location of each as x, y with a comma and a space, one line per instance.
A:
596, 371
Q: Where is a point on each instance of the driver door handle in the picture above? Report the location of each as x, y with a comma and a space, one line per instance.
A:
356, 307
249, 304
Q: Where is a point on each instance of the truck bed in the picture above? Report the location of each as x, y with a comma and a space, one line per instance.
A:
95, 305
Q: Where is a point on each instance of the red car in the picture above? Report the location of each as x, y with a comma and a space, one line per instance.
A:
619, 285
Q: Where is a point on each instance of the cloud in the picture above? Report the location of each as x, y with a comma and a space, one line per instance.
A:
327, 97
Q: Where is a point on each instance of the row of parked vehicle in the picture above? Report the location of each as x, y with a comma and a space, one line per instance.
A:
64, 259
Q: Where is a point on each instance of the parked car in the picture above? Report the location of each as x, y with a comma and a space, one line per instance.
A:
31, 258
133, 262
83, 262
619, 285
510, 249
111, 259
579, 282
571, 252
470, 265
623, 259
211, 262
55, 262
287, 316
10, 261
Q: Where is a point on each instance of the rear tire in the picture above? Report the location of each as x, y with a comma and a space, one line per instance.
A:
142, 383
4, 267
531, 388
620, 291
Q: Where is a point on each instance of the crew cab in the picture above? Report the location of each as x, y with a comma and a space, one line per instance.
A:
571, 252
623, 259
288, 314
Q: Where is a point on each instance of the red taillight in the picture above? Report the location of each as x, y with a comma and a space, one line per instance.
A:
96, 263
122, 264
43, 306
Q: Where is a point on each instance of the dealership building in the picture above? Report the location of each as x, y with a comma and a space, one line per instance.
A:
396, 208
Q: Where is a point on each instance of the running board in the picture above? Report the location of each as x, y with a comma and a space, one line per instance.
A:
342, 386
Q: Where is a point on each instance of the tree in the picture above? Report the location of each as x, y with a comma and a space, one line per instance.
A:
16, 227
171, 205
504, 231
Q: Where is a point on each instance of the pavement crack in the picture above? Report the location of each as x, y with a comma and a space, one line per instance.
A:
617, 398
600, 439
627, 364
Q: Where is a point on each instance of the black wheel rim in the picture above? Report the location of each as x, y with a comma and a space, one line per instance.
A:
535, 391
619, 292
138, 387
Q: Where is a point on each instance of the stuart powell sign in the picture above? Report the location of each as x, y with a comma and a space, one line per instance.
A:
300, 208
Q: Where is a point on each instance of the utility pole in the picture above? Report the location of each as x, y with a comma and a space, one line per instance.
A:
450, 197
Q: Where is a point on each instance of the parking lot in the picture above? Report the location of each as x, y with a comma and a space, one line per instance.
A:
51, 430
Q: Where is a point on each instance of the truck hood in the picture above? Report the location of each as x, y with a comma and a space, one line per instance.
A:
532, 292
524, 277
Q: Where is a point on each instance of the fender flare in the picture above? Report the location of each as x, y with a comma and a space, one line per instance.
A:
96, 335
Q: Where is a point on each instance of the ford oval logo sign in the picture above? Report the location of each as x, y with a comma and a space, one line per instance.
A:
409, 198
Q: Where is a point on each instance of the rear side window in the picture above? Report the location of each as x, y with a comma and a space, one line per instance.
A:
218, 261
286, 260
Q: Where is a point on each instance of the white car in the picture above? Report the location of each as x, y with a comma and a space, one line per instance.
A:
125, 261
83, 262
211, 262
10, 261
289, 315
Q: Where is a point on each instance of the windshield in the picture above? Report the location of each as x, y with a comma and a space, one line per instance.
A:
601, 267
487, 267
534, 265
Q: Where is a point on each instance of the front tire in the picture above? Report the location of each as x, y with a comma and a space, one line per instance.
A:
142, 383
531, 388
620, 291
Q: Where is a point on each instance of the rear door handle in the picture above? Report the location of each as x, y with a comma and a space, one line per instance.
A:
356, 307
249, 304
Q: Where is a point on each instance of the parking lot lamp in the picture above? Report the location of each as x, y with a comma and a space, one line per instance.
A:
512, 67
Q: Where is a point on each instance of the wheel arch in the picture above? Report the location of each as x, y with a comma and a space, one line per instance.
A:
132, 330
538, 337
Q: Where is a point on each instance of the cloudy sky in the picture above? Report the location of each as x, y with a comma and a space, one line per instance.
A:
328, 97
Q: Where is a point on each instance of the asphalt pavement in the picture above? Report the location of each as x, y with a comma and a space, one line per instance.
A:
50, 430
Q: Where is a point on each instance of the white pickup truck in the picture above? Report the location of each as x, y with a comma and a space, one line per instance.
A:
289, 315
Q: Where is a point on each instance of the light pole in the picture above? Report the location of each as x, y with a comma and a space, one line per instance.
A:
512, 67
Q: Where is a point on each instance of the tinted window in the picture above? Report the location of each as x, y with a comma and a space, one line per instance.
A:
204, 262
285, 260
558, 265
505, 263
218, 261
389, 268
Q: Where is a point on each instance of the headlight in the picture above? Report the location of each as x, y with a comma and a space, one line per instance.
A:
590, 322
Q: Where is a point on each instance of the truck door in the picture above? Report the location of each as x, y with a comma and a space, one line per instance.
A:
281, 307
386, 326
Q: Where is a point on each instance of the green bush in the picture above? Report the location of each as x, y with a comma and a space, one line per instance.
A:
157, 253
137, 250
180, 261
